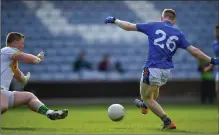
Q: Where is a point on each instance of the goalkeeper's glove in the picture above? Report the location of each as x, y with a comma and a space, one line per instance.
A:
39, 58
26, 79
110, 19
215, 61
41, 55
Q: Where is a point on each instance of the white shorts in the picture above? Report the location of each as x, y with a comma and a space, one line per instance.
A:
217, 77
155, 76
10, 95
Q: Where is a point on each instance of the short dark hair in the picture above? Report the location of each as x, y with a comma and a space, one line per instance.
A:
169, 11
13, 36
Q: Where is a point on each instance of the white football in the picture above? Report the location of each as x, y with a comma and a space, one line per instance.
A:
116, 112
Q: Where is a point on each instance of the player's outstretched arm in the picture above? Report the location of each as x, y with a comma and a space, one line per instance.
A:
29, 58
122, 24
201, 55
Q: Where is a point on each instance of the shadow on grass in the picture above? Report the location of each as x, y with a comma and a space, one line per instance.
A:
176, 131
27, 129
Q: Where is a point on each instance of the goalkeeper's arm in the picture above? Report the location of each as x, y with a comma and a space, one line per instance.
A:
29, 58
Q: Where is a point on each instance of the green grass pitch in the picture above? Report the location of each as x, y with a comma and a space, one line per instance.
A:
190, 119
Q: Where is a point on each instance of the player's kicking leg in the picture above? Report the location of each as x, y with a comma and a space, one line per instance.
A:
33, 103
149, 90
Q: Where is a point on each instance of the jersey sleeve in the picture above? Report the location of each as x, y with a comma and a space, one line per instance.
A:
144, 27
184, 43
11, 52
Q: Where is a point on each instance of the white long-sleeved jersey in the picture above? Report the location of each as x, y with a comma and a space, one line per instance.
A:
8, 66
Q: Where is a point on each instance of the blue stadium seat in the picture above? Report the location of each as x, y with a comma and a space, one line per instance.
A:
130, 48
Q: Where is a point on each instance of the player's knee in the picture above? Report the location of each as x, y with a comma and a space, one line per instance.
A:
149, 101
147, 97
156, 96
30, 95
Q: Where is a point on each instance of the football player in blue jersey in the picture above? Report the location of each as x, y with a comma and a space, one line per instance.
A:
164, 39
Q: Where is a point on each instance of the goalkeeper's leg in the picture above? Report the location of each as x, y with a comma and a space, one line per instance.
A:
34, 104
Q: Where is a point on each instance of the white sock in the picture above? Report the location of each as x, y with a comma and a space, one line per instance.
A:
49, 111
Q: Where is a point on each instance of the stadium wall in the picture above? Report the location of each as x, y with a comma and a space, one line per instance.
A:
99, 89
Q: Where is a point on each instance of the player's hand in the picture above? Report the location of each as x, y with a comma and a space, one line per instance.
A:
208, 68
41, 55
26, 79
110, 19
215, 61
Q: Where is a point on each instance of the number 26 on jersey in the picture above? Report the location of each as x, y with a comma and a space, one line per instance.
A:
160, 41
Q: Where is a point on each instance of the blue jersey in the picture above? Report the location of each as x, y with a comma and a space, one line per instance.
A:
164, 39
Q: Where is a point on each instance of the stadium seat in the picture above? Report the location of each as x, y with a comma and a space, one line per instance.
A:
84, 29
